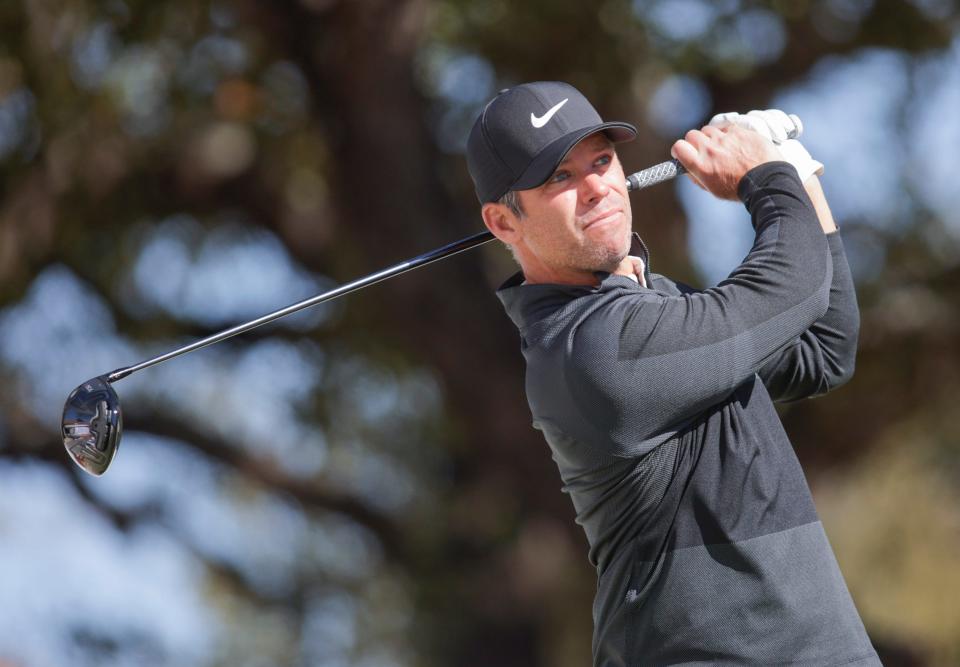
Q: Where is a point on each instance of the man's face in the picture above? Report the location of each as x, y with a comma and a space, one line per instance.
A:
579, 221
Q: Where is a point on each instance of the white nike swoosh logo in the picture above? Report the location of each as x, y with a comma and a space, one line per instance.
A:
545, 118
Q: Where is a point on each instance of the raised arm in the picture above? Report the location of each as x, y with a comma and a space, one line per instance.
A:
822, 357
686, 353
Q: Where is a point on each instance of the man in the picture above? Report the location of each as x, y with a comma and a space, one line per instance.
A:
657, 399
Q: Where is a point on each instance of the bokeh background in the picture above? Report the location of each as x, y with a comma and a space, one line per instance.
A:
360, 484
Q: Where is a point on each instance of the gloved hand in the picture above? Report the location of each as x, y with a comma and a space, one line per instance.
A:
775, 125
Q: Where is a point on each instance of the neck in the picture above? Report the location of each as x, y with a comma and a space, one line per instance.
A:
536, 272
571, 277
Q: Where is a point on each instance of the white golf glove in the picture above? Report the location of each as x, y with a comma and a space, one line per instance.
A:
775, 125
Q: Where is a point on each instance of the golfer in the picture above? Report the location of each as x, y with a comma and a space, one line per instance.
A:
656, 398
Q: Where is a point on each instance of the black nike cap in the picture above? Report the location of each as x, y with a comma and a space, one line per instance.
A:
524, 133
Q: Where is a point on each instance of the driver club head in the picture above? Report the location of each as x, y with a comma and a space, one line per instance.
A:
92, 424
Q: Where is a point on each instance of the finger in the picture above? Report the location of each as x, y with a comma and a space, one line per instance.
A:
724, 119
751, 123
778, 133
713, 131
780, 118
789, 122
696, 138
755, 121
797, 124
686, 153
780, 123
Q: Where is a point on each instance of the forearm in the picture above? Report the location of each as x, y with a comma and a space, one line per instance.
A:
815, 192
823, 357
838, 330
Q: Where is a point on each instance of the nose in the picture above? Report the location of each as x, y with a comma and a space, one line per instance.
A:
594, 188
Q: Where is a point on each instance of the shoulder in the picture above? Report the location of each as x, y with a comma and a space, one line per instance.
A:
599, 332
670, 287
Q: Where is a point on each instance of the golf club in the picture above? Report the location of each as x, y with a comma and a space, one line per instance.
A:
92, 421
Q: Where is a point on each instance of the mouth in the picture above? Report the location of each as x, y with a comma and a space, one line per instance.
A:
603, 218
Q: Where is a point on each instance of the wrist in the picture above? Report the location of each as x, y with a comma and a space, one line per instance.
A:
819, 200
760, 177
795, 153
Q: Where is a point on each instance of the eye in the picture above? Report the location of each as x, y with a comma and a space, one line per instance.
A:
559, 176
604, 160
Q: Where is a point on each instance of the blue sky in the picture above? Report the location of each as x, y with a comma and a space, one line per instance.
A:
883, 126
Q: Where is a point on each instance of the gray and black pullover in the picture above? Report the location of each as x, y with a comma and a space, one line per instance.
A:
657, 404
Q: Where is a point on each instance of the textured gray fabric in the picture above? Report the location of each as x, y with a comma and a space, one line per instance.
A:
657, 404
754, 579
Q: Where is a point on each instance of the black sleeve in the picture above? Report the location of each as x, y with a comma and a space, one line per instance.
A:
823, 356
646, 362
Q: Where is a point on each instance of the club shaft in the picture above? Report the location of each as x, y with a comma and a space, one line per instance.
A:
396, 270
642, 179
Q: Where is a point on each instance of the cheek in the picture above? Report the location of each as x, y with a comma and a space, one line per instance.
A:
554, 224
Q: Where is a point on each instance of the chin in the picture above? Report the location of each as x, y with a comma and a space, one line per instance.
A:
604, 254
627, 242
606, 259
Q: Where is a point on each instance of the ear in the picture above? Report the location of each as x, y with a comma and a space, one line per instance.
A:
501, 222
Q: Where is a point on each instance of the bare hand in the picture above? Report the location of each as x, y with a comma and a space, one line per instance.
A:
716, 159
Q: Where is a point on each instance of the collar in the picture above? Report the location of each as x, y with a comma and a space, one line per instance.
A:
526, 304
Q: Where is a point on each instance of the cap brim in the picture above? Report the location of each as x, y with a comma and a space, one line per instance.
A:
546, 161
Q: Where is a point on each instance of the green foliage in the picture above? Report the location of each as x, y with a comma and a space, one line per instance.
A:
411, 517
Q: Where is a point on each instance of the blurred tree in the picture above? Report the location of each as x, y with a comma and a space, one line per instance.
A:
365, 487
